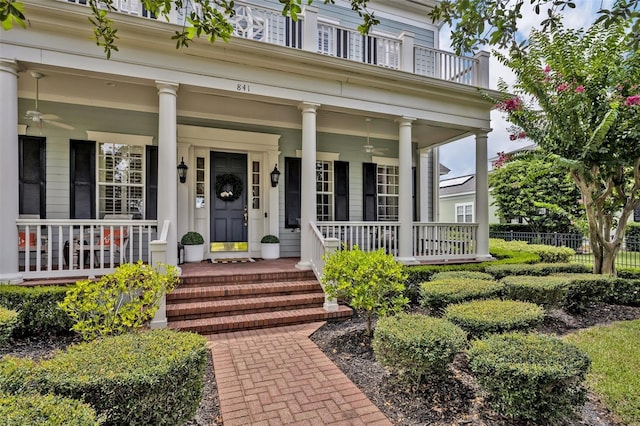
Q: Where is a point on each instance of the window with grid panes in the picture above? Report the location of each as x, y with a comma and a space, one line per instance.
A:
464, 213
324, 190
388, 192
121, 179
201, 195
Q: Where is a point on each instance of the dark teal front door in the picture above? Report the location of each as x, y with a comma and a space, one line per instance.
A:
229, 202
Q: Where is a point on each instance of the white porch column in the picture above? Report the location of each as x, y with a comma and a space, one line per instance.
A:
9, 170
405, 181
310, 29
167, 163
407, 56
482, 197
308, 184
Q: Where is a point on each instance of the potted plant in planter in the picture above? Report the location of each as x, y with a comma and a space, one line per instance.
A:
193, 246
270, 247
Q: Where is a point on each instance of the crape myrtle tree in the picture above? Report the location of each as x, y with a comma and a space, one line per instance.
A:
577, 96
537, 189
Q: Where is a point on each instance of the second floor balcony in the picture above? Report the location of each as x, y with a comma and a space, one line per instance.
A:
311, 32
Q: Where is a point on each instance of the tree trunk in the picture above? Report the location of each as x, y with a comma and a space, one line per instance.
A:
604, 257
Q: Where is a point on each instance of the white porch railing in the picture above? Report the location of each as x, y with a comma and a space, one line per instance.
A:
322, 246
446, 65
444, 241
64, 248
368, 236
268, 25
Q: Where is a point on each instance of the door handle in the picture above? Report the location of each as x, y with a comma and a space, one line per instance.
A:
246, 216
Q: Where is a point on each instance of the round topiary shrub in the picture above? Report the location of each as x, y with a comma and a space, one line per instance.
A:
440, 293
530, 376
8, 322
547, 291
480, 317
45, 410
153, 377
473, 275
417, 346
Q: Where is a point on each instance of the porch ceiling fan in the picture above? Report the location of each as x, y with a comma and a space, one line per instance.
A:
368, 148
38, 117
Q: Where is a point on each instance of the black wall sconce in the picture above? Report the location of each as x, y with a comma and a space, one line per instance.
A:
182, 171
275, 176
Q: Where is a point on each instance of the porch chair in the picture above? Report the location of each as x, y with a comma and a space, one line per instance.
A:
32, 238
116, 241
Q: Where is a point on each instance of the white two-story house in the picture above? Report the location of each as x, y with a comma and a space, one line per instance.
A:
90, 146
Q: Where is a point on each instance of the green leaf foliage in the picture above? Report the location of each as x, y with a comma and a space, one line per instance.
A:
435, 295
120, 302
417, 346
146, 378
449, 275
480, 317
38, 310
45, 410
548, 254
537, 269
548, 291
8, 321
530, 377
370, 282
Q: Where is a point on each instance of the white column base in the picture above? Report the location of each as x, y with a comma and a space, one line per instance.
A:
330, 305
11, 278
303, 265
484, 257
160, 318
408, 260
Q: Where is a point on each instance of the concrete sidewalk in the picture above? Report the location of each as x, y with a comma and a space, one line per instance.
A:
278, 376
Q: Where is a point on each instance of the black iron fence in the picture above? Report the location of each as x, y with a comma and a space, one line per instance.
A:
628, 257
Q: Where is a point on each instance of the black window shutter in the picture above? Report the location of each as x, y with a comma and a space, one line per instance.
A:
151, 177
341, 189
413, 194
32, 176
83, 179
369, 191
292, 200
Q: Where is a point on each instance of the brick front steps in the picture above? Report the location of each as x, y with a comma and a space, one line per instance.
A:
223, 303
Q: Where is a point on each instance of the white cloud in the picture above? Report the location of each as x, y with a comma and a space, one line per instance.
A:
456, 155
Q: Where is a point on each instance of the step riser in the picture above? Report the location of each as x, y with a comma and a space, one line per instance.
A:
261, 323
221, 294
211, 314
206, 281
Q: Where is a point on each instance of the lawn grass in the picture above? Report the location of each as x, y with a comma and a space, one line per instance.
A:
615, 369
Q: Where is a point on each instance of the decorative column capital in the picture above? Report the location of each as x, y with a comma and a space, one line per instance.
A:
9, 66
405, 121
306, 107
482, 133
167, 88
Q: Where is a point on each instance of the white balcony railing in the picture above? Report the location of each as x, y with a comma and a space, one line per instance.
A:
65, 248
310, 33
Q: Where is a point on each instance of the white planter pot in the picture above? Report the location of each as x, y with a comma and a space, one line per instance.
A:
194, 253
270, 250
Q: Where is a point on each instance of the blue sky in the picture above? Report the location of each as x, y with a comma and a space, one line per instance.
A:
456, 155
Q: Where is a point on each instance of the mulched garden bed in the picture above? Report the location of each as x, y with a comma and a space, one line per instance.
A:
454, 401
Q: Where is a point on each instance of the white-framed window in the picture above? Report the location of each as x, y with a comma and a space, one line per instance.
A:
464, 212
324, 190
388, 171
121, 179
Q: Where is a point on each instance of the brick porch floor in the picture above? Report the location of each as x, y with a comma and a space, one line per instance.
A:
279, 376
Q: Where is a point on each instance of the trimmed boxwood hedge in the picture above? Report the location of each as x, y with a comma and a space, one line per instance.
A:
546, 253
417, 346
475, 275
45, 410
37, 307
530, 376
8, 321
438, 294
480, 317
549, 291
587, 289
625, 292
153, 377
538, 269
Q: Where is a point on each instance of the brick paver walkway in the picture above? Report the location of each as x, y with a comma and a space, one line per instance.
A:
278, 376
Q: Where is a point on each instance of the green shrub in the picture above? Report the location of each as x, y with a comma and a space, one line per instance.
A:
587, 289
438, 294
480, 317
119, 302
37, 307
530, 376
45, 410
629, 273
270, 239
370, 282
145, 378
416, 346
474, 275
625, 292
538, 269
192, 238
8, 321
549, 291
548, 254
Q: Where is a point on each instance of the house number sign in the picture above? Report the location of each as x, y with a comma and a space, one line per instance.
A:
243, 87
